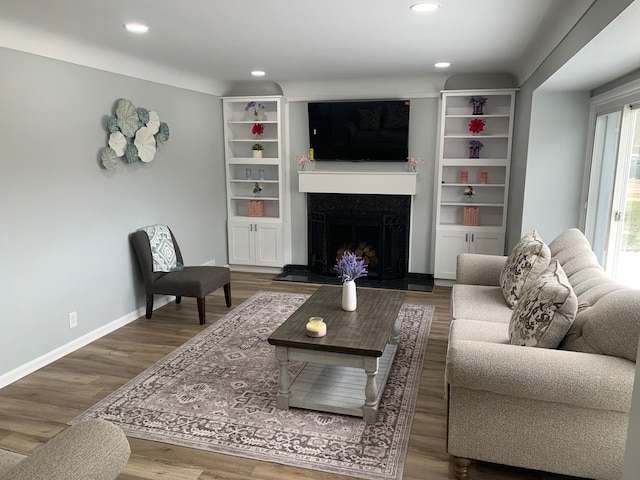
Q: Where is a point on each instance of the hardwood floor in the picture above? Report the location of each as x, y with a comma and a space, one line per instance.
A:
37, 407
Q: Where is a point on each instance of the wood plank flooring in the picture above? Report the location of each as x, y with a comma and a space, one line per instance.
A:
37, 407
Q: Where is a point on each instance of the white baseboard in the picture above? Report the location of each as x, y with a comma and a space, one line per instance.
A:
255, 269
52, 356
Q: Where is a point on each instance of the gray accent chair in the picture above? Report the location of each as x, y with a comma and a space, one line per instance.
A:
94, 449
196, 282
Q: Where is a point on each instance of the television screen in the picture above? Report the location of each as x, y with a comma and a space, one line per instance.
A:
359, 130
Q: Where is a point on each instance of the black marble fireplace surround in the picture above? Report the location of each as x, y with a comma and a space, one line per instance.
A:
378, 223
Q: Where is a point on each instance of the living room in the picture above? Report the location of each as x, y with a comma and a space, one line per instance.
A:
67, 220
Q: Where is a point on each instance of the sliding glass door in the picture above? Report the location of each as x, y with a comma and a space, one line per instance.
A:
625, 243
613, 213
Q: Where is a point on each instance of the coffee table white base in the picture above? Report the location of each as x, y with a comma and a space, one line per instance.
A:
335, 382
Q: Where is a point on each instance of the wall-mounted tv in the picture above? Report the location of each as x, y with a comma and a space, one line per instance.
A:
376, 130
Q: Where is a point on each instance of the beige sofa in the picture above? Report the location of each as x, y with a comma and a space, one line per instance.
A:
94, 449
563, 410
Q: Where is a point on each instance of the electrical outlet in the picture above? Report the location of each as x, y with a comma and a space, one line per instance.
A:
73, 320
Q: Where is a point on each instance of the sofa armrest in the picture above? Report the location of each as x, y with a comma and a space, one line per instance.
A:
583, 379
93, 449
477, 269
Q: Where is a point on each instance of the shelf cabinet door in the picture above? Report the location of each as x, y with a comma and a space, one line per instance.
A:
449, 243
452, 242
487, 243
241, 243
255, 243
268, 244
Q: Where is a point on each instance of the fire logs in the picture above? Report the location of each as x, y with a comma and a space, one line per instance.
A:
363, 250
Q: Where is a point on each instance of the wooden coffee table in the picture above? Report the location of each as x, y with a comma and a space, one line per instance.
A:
346, 370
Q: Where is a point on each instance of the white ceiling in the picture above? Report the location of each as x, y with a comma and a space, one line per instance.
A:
292, 40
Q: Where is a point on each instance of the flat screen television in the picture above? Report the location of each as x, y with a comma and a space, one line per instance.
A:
376, 130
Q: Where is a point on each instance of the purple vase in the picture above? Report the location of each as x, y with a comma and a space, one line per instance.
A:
474, 152
477, 109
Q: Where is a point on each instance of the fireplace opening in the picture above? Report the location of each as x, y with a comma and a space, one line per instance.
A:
374, 227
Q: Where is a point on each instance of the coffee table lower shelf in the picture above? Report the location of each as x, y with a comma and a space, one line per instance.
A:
338, 383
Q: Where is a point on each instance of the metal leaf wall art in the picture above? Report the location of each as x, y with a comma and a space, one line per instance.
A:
134, 135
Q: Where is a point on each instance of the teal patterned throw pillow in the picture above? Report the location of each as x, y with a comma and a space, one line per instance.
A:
162, 249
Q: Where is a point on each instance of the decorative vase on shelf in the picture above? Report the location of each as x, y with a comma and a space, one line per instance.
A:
257, 153
474, 153
349, 297
477, 109
469, 198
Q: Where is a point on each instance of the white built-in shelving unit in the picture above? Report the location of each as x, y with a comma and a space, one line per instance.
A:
254, 240
452, 236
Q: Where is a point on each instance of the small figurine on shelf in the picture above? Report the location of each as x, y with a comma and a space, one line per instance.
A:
257, 189
478, 104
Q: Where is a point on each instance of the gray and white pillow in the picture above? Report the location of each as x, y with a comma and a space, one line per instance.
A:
162, 249
545, 311
528, 259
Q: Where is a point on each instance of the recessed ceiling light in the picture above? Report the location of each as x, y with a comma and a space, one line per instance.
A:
136, 27
442, 65
258, 73
425, 7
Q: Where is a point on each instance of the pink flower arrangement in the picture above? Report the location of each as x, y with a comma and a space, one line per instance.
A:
414, 161
302, 160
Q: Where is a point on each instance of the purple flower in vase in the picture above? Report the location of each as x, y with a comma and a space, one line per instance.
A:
350, 267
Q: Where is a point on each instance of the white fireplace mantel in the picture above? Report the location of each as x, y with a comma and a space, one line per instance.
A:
381, 183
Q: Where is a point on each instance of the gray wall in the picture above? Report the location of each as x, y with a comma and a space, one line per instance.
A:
422, 143
66, 221
556, 157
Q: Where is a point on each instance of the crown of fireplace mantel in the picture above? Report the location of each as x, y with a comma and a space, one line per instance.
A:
380, 183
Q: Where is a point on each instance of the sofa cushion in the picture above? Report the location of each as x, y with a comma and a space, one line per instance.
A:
478, 331
545, 311
529, 258
479, 302
610, 326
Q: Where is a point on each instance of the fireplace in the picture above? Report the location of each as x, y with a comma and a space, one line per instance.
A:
375, 227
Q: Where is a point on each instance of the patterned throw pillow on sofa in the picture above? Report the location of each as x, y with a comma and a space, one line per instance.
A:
528, 259
545, 312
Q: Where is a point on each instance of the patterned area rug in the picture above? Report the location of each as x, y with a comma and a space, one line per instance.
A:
217, 393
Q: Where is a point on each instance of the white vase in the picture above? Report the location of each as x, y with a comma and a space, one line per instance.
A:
257, 153
349, 298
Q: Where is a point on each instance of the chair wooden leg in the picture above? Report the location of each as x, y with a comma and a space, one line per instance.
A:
201, 311
149, 305
227, 294
178, 300
460, 467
